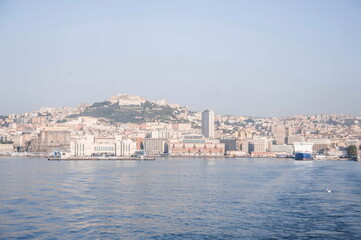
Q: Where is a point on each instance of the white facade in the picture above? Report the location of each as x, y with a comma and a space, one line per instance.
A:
125, 147
208, 123
161, 102
125, 99
160, 134
305, 147
90, 145
82, 146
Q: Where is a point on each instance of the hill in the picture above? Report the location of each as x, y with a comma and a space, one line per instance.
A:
146, 112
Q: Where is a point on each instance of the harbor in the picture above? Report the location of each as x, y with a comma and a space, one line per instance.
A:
101, 159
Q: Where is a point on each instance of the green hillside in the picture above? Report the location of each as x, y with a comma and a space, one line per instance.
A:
147, 112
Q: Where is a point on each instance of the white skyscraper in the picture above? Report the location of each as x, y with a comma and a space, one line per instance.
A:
208, 123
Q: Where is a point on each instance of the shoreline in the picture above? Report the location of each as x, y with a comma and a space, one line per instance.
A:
154, 157
101, 158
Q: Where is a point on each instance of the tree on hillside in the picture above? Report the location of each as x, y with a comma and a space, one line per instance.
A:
352, 151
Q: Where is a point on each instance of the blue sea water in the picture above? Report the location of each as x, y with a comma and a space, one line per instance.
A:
179, 199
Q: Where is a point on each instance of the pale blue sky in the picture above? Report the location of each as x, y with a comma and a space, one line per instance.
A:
258, 58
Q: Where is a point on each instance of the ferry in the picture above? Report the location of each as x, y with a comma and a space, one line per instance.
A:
303, 156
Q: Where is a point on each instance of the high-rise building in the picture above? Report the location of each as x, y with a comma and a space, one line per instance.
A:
208, 123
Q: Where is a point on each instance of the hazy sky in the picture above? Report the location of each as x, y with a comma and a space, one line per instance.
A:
258, 58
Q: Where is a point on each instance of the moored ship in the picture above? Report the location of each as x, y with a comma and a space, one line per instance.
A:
303, 150
303, 156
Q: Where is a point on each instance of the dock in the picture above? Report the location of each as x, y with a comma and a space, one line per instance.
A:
102, 158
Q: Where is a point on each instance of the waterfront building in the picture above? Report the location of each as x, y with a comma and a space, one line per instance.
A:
104, 146
208, 123
260, 145
82, 146
196, 149
139, 142
230, 144
337, 152
154, 147
51, 140
125, 147
285, 149
194, 138
6, 148
90, 145
320, 144
243, 145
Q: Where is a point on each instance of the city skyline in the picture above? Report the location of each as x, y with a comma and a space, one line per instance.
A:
242, 58
132, 126
157, 101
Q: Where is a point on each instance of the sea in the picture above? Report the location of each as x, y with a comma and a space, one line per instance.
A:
180, 198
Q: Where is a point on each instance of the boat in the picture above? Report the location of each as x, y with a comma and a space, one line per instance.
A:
303, 156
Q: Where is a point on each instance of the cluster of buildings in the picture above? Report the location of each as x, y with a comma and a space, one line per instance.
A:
200, 134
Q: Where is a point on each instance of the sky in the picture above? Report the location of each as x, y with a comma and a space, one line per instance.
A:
253, 58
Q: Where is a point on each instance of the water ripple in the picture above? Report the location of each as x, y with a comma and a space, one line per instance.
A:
179, 199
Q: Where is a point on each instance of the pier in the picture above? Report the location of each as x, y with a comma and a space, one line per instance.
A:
102, 158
